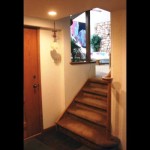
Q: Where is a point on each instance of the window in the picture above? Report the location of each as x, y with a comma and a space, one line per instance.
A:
78, 38
90, 36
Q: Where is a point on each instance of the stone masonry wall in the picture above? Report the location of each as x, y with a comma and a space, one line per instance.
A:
103, 29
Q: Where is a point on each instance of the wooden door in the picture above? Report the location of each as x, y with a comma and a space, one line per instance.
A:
32, 90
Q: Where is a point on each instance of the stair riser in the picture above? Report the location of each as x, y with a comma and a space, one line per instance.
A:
99, 123
102, 108
96, 85
95, 92
92, 100
87, 113
99, 97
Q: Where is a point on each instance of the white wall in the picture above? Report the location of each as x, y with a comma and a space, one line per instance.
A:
118, 72
75, 75
52, 76
60, 83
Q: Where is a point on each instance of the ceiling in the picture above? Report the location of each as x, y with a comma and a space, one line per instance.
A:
40, 8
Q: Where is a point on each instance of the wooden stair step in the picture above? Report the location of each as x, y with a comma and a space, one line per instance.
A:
91, 132
98, 80
93, 115
97, 85
100, 97
91, 101
95, 90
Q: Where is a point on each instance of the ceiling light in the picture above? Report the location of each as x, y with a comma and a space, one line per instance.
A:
52, 13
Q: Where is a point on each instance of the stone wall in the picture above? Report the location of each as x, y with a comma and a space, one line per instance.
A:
103, 29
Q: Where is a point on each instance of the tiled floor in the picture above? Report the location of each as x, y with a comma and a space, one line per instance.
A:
53, 140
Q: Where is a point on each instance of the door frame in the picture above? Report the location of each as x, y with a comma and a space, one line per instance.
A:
39, 74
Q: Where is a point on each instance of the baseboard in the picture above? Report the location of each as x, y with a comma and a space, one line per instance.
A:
49, 129
33, 136
43, 131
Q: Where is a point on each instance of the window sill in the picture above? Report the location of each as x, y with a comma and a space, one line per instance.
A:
82, 62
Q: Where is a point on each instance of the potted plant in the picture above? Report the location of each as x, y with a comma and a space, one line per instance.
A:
95, 42
74, 49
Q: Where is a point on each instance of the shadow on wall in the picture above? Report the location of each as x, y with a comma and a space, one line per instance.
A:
55, 56
120, 113
123, 119
116, 86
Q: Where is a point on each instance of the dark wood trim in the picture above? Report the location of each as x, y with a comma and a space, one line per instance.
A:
87, 13
80, 62
51, 29
33, 136
31, 27
38, 27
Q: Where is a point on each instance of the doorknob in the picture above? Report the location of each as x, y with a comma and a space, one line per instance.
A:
35, 85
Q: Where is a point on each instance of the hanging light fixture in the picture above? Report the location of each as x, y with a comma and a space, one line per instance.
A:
54, 33
53, 13
54, 54
55, 42
54, 45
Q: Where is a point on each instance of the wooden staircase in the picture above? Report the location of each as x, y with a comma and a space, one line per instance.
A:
88, 117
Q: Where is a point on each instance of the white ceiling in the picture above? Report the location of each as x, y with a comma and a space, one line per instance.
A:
40, 8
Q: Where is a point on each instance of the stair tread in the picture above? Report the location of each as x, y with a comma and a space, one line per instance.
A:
99, 80
93, 133
92, 102
95, 90
87, 113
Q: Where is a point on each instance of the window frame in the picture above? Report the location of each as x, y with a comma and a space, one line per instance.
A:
88, 36
88, 59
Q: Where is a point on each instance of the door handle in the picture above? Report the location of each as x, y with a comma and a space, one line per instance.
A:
35, 85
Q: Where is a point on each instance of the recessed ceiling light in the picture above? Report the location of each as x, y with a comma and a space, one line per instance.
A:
52, 13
